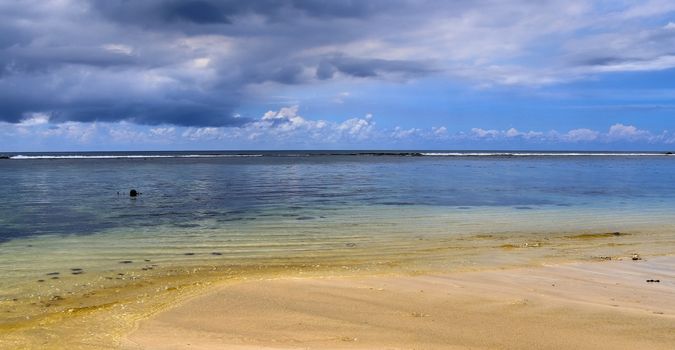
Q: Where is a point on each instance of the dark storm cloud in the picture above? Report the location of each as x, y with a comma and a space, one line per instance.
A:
325, 70
209, 12
195, 11
185, 63
32, 59
366, 68
167, 112
183, 113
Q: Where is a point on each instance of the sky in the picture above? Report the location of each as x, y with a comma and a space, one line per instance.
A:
90, 75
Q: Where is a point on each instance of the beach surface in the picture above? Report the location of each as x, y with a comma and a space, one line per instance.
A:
589, 305
322, 251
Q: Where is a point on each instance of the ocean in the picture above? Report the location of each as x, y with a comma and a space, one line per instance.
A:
69, 229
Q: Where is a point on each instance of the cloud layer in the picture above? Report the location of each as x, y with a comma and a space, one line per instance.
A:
193, 63
287, 129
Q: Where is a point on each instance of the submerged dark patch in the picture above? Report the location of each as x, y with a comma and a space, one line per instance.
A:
186, 225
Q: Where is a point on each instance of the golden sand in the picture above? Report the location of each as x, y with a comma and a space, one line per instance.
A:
602, 305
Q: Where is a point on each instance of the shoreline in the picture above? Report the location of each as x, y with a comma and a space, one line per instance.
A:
105, 310
590, 305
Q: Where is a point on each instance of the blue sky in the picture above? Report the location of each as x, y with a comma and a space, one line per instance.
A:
309, 74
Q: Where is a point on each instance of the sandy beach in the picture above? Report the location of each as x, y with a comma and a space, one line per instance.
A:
337, 174
601, 305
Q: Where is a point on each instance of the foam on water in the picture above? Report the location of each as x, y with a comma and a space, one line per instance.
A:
303, 154
134, 156
541, 154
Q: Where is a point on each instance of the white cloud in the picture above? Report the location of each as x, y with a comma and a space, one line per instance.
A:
120, 49
341, 97
166, 132
615, 133
34, 119
126, 135
286, 124
582, 134
79, 132
359, 128
630, 132
510, 133
201, 62
482, 133
208, 133
441, 131
400, 133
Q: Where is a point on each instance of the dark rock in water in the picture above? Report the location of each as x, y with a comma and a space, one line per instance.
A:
126, 262
4, 157
668, 153
305, 218
216, 253
77, 272
52, 273
133, 193
40, 281
350, 245
189, 254
76, 269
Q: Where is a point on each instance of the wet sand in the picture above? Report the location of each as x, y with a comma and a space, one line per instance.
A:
601, 305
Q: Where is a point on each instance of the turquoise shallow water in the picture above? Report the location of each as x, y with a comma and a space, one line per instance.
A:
210, 196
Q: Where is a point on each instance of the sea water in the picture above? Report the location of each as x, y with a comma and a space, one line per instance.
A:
68, 227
